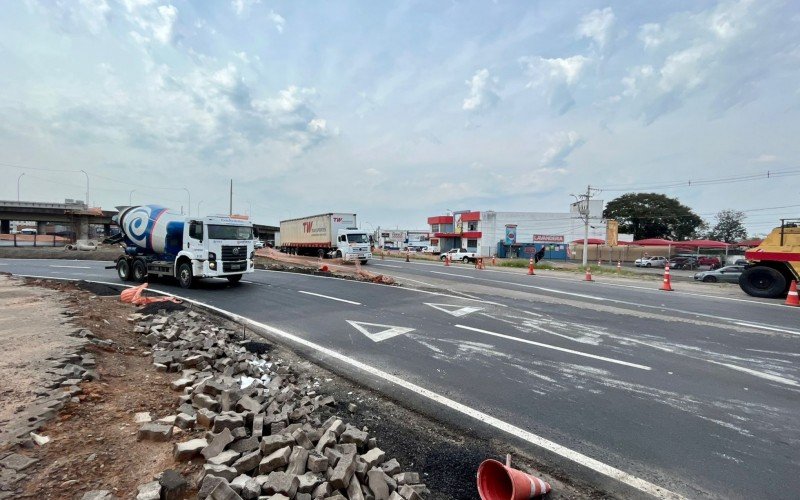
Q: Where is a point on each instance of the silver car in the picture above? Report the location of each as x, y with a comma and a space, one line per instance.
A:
727, 274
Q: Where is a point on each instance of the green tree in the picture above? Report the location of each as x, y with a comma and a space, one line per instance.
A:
653, 215
729, 227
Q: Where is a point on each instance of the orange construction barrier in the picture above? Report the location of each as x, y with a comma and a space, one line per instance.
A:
792, 299
479, 263
667, 284
501, 482
134, 296
588, 276
531, 271
446, 260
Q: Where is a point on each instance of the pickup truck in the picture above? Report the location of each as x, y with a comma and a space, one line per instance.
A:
459, 254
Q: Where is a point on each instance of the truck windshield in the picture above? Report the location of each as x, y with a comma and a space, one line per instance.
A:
357, 238
218, 232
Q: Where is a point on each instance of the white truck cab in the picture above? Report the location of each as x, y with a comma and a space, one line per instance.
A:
353, 244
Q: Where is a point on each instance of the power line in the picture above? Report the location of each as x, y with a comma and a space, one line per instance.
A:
769, 174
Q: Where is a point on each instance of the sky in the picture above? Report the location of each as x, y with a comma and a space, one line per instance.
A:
401, 110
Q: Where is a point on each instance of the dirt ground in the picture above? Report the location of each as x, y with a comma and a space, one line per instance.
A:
102, 253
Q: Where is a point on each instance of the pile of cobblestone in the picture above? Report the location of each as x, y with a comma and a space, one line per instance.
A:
267, 432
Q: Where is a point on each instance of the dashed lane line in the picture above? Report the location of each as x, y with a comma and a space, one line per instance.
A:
329, 297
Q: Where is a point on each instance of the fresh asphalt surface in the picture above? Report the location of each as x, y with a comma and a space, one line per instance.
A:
692, 392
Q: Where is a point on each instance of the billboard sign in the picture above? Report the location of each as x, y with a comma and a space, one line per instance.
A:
511, 234
548, 238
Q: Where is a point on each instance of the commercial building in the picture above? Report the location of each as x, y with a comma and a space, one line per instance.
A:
400, 239
514, 234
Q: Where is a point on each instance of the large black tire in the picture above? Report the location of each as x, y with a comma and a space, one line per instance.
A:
124, 269
139, 271
648, 265
185, 278
364, 262
764, 282
465, 260
442, 257
710, 279
234, 278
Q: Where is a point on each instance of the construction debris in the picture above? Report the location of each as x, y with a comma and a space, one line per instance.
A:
266, 430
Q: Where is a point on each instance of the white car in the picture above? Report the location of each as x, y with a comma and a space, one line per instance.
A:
459, 254
651, 262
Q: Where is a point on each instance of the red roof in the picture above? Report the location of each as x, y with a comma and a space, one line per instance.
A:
441, 219
750, 243
653, 242
592, 241
471, 217
701, 244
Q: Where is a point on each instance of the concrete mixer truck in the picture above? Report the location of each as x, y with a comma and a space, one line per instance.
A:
162, 243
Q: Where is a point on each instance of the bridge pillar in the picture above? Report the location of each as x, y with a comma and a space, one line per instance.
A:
5, 226
107, 229
83, 228
40, 227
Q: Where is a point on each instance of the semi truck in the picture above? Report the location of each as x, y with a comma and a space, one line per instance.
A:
775, 263
158, 242
334, 235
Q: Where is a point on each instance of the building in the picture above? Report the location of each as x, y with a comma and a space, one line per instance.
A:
513, 233
400, 239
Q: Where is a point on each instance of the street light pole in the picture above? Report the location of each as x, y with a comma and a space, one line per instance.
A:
189, 209
18, 179
198, 207
87, 187
130, 197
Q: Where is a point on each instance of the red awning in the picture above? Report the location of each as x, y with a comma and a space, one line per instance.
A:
701, 244
441, 219
624, 243
749, 243
653, 242
592, 241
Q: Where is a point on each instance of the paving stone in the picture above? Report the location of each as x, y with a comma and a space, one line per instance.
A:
142, 417
149, 491
154, 431
205, 401
409, 493
377, 483
391, 467
275, 460
375, 456
188, 449
227, 457
297, 461
218, 443
301, 438
179, 384
17, 462
173, 485
245, 445
353, 435
406, 478
185, 421
280, 482
247, 403
223, 471
354, 490
97, 495
395, 496
317, 462
251, 489
258, 426
303, 496
247, 462
227, 420
322, 491
308, 481
207, 485
272, 443
343, 472
223, 491
327, 439
205, 417
238, 482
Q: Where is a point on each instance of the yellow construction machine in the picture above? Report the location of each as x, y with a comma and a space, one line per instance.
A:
774, 263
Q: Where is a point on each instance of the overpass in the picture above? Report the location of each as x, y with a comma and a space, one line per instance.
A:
74, 214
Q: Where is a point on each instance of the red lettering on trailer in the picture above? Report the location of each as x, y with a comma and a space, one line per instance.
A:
338, 219
307, 226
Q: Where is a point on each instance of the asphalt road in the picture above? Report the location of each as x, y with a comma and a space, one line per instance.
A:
690, 391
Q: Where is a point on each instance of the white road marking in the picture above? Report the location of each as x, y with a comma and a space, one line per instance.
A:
534, 439
766, 376
387, 265
555, 348
457, 312
764, 327
331, 298
388, 331
74, 267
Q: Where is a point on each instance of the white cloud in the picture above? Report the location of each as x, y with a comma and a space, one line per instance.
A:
76, 16
685, 69
597, 25
561, 145
636, 79
729, 19
482, 94
155, 22
651, 35
162, 26
277, 20
242, 6
765, 158
566, 70
372, 172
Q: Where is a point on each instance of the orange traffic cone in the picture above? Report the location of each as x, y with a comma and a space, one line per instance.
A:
446, 260
792, 299
479, 263
407, 252
599, 262
588, 276
531, 272
494, 263
667, 285
619, 265
502, 482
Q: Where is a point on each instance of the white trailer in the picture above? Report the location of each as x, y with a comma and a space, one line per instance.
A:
330, 235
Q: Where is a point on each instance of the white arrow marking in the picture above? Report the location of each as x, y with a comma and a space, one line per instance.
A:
387, 332
457, 312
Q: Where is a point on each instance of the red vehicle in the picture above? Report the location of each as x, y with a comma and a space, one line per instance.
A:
708, 261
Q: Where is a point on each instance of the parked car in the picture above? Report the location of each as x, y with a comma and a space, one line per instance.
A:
459, 254
729, 274
258, 244
705, 260
650, 262
683, 263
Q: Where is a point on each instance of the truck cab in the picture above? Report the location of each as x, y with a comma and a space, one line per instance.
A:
218, 247
353, 244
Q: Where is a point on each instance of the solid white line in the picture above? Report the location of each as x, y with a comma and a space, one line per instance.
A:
74, 267
556, 348
534, 439
763, 327
329, 297
387, 265
767, 376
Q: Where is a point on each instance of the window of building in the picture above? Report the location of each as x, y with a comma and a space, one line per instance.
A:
472, 226
472, 245
434, 228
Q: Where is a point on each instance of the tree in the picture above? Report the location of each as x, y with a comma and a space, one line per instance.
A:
653, 215
729, 227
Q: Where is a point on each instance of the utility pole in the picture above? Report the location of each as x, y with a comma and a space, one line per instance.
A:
230, 206
583, 210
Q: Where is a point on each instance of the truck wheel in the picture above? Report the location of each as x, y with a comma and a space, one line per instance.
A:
465, 260
364, 261
763, 281
234, 278
124, 269
185, 275
321, 253
139, 271
338, 254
